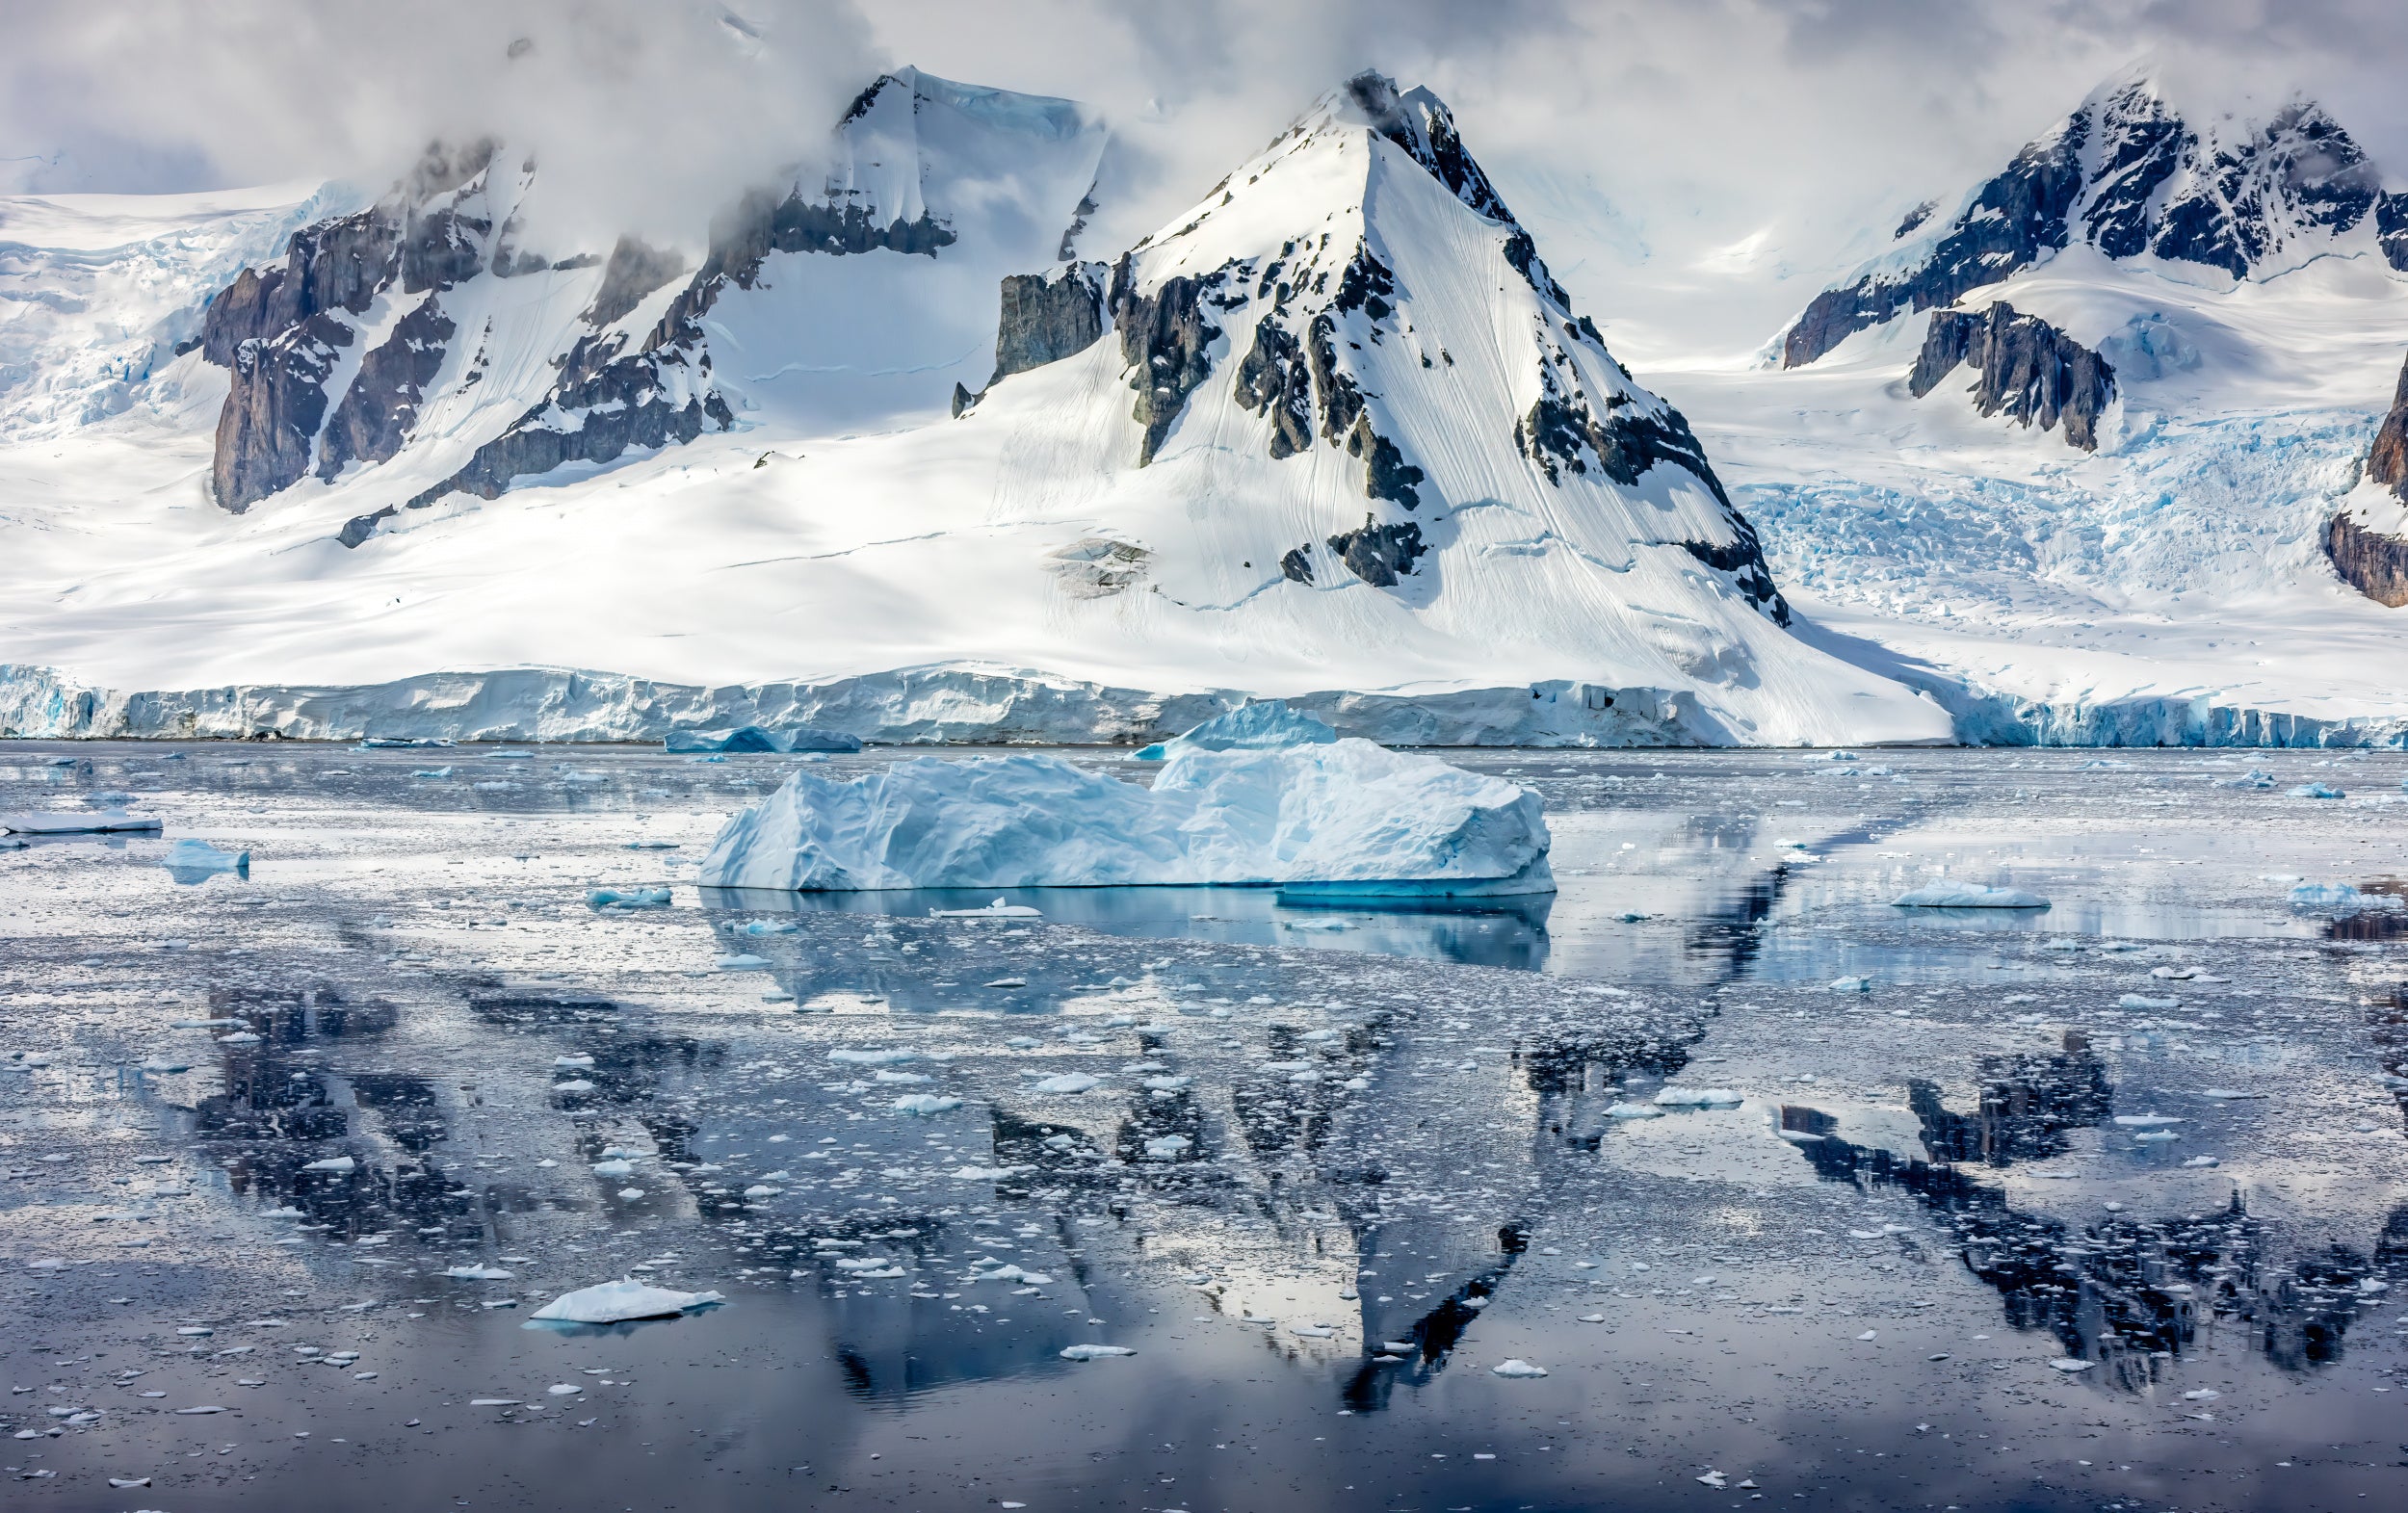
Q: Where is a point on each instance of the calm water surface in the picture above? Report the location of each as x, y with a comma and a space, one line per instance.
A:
1323, 1170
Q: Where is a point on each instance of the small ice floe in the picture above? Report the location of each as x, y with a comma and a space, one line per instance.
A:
762, 740
1266, 725
615, 1166
1068, 1082
1851, 984
622, 1302
2315, 790
1008, 982
2338, 897
509, 756
1716, 1480
1967, 895
1700, 1098
2143, 1000
1167, 1148
2203, 1160
433, 774
200, 859
852, 1057
2146, 1121
337, 1164
652, 845
1517, 1366
1632, 1110
2228, 1094
768, 927
743, 962
2069, 1366
478, 1273
997, 910
573, 1062
925, 1104
575, 1084
627, 897
1094, 1352
107, 822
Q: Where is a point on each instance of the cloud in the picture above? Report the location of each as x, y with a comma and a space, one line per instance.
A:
1643, 141
643, 115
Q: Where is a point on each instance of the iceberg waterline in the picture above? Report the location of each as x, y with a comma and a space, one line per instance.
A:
1347, 812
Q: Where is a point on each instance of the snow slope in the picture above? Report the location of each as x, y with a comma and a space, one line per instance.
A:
1380, 453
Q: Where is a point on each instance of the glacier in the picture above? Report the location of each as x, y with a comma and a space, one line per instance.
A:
1347, 816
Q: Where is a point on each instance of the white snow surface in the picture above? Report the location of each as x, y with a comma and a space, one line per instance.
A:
1346, 813
620, 1302
880, 538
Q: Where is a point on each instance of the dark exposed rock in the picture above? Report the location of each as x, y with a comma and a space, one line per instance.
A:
2030, 371
1069, 249
2374, 564
1273, 377
1386, 475
1165, 337
1377, 554
1048, 317
2014, 218
962, 401
359, 528
2391, 229
1423, 128
379, 409
272, 410
2387, 462
764, 223
1297, 566
1341, 401
1914, 219
633, 271
2370, 561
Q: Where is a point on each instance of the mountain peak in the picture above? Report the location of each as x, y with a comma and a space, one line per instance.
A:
2139, 169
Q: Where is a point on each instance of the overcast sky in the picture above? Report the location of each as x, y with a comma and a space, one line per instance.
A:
1691, 170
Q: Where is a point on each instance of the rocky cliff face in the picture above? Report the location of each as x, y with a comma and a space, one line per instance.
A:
2370, 562
2026, 368
1047, 317
2130, 174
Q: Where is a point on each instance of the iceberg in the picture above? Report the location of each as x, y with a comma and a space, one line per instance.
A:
1967, 895
2339, 897
1336, 818
1265, 726
758, 737
627, 897
2315, 790
108, 822
622, 1302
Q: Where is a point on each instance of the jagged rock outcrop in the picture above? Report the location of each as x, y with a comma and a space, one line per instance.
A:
2028, 369
1378, 554
2370, 562
1047, 317
1164, 337
269, 425
2130, 175
379, 408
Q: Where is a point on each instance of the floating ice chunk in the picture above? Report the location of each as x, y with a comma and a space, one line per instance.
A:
433, 772
333, 1163
627, 897
1851, 984
1068, 1082
572, 1061
872, 1058
575, 1084
1517, 1368
478, 1273
107, 822
616, 1166
743, 962
1631, 1110
1263, 726
758, 739
1967, 895
925, 1104
2340, 897
1167, 1148
2146, 1121
997, 910
2157, 1135
762, 1189
199, 859
2203, 1160
1347, 817
622, 1302
906, 1078
2142, 1000
1700, 1098
2228, 1094
981, 1173
509, 756
2315, 790
2069, 1366
1094, 1352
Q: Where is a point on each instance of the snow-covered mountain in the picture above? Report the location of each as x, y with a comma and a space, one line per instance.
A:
1334, 432
2069, 455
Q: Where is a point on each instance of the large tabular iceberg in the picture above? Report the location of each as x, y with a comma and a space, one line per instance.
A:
1343, 818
